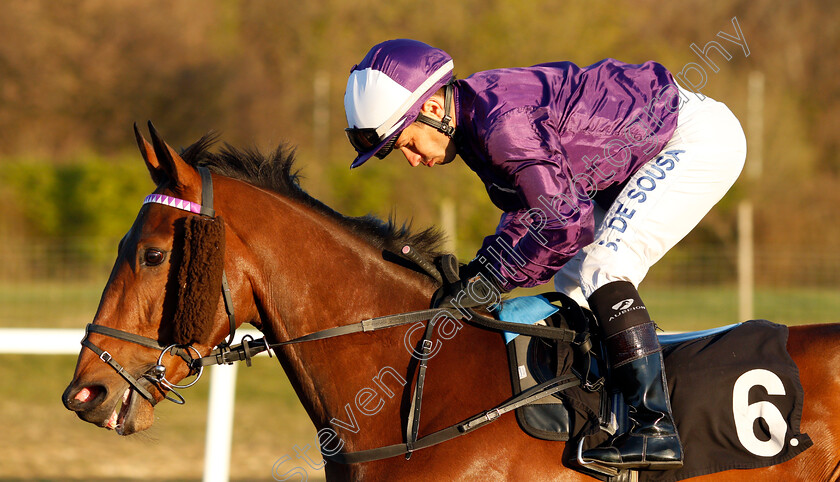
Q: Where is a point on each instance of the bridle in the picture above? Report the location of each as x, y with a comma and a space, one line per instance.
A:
156, 375
225, 353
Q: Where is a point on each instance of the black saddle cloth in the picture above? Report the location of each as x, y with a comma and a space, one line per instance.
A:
735, 393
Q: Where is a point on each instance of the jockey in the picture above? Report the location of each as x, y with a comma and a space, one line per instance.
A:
598, 170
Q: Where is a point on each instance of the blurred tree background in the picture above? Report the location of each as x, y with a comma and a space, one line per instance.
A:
75, 75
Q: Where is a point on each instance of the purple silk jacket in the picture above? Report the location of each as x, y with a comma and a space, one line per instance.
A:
550, 141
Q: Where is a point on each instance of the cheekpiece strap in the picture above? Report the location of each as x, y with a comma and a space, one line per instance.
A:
206, 193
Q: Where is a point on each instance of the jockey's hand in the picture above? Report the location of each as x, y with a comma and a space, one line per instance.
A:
474, 288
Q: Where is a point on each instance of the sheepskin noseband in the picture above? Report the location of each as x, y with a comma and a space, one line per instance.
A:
199, 278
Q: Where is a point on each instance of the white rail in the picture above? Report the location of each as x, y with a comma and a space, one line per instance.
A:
54, 341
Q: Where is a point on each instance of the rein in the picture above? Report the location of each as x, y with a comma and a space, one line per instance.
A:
225, 353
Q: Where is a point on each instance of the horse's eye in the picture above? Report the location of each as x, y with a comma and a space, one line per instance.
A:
153, 257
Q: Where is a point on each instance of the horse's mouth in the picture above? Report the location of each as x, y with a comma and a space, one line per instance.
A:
127, 418
117, 418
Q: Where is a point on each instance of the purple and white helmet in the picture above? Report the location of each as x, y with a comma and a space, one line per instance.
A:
386, 90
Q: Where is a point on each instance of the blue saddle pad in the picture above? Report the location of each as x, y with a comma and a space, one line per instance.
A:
673, 338
532, 309
526, 310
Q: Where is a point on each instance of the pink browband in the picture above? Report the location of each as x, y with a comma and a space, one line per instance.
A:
173, 202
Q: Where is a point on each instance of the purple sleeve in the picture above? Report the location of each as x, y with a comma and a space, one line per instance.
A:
532, 244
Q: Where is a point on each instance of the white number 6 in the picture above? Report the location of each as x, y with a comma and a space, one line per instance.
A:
746, 413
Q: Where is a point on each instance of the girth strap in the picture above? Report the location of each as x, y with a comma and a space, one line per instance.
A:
462, 428
412, 425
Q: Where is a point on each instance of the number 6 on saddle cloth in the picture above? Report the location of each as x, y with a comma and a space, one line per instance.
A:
735, 391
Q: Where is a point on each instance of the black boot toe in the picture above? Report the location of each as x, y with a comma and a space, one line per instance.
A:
634, 451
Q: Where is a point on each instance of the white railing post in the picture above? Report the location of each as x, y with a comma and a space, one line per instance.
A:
219, 423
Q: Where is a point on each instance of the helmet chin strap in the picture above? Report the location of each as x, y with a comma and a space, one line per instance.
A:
443, 124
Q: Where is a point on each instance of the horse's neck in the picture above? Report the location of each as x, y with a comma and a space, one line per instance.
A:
308, 273
319, 274
302, 262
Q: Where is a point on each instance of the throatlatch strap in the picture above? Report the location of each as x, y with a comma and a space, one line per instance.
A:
229, 309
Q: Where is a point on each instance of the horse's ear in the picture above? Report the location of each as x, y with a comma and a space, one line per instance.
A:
169, 163
158, 174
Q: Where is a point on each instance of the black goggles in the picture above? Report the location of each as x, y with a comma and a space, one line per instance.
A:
365, 139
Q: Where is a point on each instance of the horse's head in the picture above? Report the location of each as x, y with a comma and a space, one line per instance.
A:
158, 309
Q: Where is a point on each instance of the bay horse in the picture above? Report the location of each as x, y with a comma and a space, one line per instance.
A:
295, 267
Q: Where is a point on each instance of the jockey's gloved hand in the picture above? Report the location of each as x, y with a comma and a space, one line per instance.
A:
475, 287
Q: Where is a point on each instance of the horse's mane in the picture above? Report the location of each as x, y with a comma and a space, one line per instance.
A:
275, 172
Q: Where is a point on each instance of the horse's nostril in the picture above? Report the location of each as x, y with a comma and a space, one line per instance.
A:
85, 398
85, 394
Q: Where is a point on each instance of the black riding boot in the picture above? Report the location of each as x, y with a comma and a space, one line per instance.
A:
638, 371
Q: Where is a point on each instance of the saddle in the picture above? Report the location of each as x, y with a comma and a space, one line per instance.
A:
735, 391
535, 360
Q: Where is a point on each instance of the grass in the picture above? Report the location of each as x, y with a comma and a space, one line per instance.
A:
49, 304
697, 308
52, 304
44, 441
689, 308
